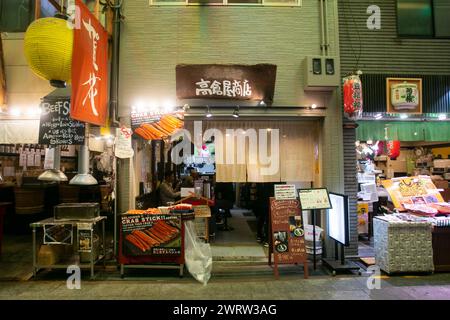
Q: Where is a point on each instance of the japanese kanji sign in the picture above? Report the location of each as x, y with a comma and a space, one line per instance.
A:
234, 82
89, 69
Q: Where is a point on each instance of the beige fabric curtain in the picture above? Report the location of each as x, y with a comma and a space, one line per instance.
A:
280, 150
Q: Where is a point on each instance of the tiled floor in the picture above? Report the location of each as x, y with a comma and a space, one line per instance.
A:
247, 279
240, 243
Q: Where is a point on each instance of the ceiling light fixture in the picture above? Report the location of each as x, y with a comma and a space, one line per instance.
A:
208, 113
236, 112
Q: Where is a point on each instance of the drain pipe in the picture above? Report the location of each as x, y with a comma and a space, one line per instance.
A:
114, 89
322, 27
114, 97
325, 26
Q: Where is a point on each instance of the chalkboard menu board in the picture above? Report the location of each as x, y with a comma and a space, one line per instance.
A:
56, 127
287, 234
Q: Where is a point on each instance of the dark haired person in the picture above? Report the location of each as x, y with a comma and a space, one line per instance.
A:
166, 192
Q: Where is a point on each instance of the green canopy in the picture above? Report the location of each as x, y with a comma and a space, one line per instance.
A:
431, 131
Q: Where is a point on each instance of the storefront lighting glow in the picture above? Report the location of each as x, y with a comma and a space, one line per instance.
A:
403, 116
269, 130
15, 112
33, 111
442, 117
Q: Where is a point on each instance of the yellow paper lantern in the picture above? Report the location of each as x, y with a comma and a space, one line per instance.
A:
48, 48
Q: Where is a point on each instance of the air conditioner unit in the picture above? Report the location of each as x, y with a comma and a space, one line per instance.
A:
322, 73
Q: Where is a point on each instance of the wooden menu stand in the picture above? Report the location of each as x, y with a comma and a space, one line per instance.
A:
287, 247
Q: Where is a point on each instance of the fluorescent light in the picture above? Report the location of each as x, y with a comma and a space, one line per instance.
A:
403, 116
379, 116
442, 117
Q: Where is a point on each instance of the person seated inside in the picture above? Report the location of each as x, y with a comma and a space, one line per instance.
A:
189, 181
166, 193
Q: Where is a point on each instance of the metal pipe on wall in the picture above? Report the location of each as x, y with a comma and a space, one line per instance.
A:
114, 97
322, 29
325, 26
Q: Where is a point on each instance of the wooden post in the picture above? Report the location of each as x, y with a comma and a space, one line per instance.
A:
37, 9
2, 77
97, 9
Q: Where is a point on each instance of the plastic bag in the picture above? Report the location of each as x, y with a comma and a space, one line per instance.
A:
198, 255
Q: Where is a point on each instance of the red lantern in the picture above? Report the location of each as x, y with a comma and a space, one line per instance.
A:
393, 149
353, 100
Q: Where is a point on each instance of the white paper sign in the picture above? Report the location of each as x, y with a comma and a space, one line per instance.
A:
186, 192
30, 159
312, 199
285, 192
37, 159
123, 143
23, 159
49, 158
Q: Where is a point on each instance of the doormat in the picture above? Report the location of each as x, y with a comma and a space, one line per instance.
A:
368, 261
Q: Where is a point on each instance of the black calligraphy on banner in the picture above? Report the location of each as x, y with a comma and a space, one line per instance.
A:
56, 126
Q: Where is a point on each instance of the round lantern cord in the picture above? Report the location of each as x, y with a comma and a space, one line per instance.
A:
357, 56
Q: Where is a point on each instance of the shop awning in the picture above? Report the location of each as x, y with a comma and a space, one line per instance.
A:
431, 131
21, 131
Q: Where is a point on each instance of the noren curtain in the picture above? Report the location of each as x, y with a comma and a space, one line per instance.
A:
284, 150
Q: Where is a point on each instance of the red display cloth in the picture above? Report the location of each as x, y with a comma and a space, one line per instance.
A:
199, 202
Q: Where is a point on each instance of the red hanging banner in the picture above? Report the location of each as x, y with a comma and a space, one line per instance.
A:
89, 102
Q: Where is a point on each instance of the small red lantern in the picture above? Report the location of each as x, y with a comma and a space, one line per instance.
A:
393, 149
353, 100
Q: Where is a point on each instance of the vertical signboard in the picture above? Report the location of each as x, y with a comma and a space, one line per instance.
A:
89, 68
287, 234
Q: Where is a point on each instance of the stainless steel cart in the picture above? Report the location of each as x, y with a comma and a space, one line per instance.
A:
74, 223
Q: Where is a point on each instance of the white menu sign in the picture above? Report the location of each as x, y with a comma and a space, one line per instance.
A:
312, 199
285, 192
